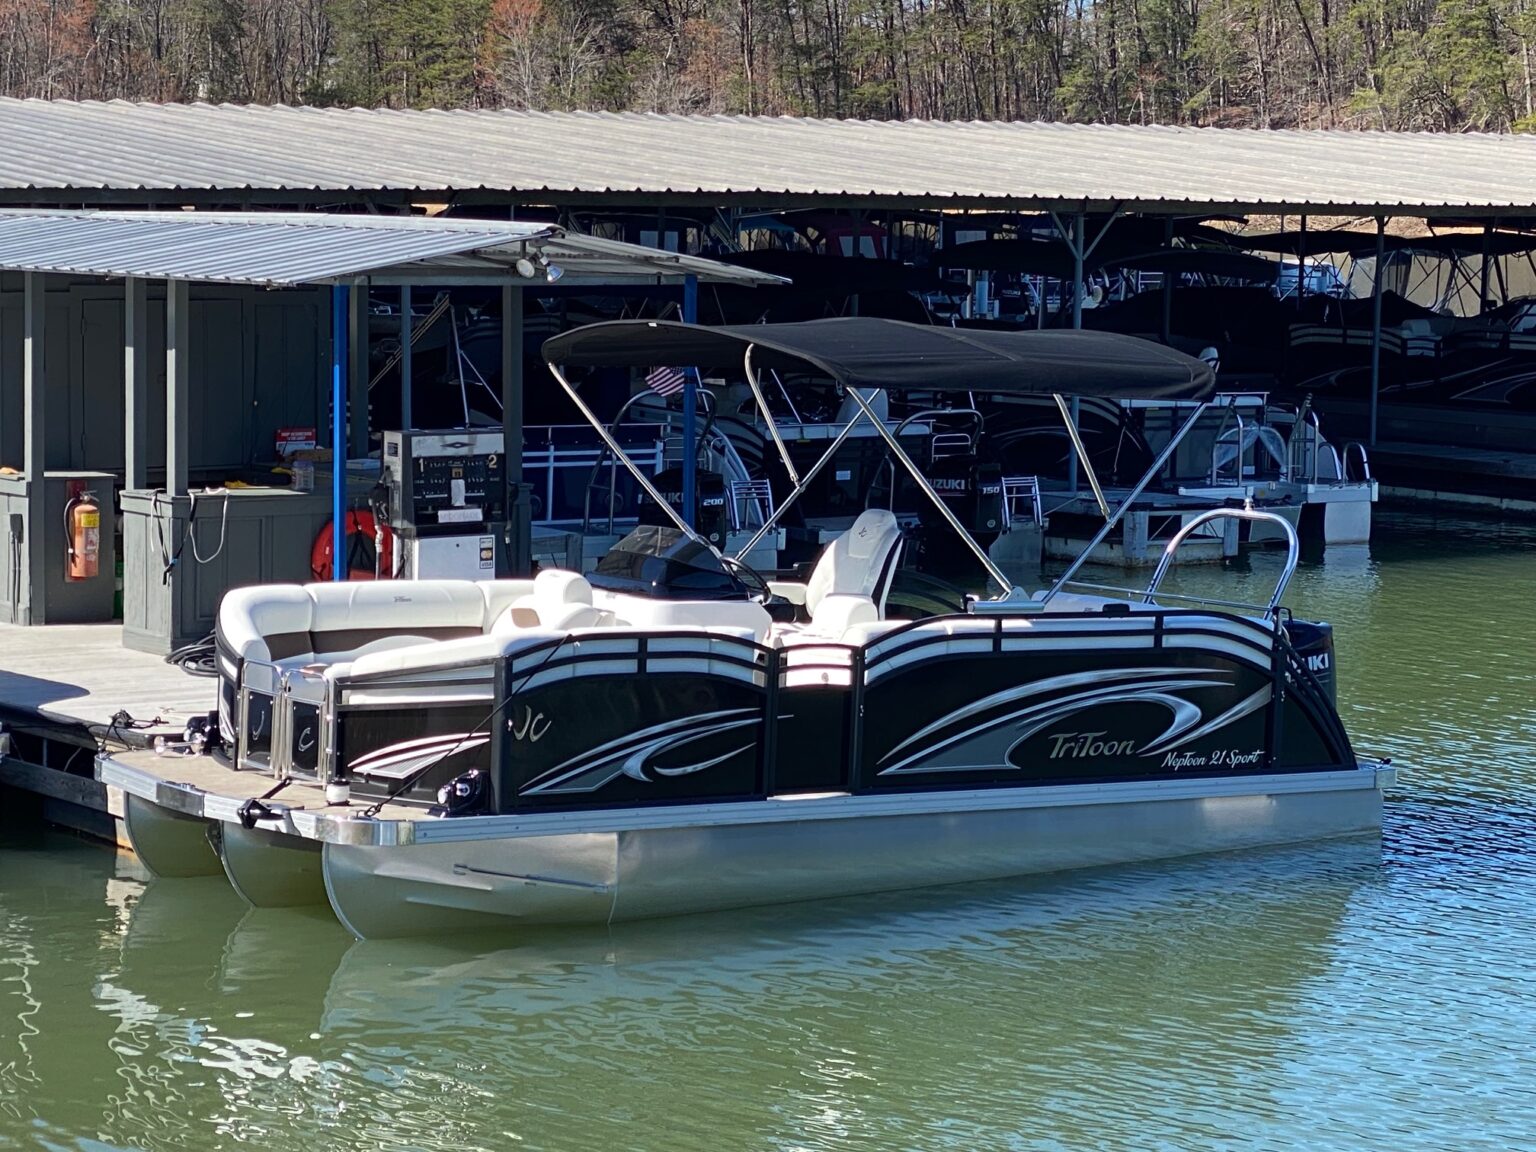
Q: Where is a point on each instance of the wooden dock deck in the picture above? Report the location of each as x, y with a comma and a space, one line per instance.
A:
82, 674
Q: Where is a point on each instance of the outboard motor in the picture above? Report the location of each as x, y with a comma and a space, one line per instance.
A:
712, 516
973, 491
1313, 643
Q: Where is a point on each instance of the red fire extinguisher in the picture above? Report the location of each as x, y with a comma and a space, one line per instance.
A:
82, 525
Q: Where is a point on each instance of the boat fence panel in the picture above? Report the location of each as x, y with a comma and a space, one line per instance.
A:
1163, 695
669, 717
684, 716
411, 751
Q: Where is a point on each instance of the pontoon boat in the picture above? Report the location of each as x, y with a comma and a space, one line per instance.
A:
672, 733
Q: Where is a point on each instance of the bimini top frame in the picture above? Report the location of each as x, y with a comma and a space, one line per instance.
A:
867, 355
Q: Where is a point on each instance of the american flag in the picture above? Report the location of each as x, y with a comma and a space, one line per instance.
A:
665, 381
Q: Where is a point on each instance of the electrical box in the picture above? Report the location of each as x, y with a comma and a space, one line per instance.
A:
447, 502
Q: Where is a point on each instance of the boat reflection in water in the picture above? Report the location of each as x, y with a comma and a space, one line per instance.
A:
190, 1015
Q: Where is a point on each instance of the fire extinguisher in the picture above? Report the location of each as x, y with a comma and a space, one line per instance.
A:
82, 528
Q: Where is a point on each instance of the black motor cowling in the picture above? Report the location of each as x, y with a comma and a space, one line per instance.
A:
1313, 644
972, 489
711, 516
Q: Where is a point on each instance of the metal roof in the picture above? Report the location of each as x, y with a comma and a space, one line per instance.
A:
312, 248
55, 150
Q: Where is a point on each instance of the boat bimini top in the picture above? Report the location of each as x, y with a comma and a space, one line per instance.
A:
866, 356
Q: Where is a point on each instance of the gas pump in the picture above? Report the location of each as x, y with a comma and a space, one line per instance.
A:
445, 498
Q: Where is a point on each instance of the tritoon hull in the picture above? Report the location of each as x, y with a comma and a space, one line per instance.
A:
674, 862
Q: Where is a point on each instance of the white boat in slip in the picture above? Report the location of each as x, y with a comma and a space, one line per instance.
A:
675, 733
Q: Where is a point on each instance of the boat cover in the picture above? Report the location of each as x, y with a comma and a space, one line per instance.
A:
865, 352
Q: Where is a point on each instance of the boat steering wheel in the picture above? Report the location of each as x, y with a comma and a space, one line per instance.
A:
756, 582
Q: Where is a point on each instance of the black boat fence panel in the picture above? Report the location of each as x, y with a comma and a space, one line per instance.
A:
624, 720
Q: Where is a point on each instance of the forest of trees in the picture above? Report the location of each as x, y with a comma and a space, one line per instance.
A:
1449, 65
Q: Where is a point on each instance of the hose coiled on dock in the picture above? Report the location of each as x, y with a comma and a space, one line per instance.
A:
196, 659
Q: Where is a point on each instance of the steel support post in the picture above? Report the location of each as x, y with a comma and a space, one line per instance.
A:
339, 311
690, 410
136, 383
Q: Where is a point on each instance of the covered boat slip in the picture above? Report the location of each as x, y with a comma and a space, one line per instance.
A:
725, 171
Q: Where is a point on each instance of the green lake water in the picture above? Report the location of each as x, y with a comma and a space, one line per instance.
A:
1359, 994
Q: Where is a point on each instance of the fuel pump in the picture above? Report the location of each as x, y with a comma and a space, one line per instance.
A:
446, 502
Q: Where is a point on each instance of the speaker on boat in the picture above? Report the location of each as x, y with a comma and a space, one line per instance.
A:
468, 794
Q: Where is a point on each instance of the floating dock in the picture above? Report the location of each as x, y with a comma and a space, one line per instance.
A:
68, 689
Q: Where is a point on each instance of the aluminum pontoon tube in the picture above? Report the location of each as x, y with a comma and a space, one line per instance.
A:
1157, 466
613, 446
1069, 418
762, 406
800, 487
938, 502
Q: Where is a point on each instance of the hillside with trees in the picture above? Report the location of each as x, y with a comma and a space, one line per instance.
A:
1445, 65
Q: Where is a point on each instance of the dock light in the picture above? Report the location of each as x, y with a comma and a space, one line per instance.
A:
338, 792
531, 267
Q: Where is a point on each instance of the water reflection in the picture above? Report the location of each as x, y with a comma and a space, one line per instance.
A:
205, 1018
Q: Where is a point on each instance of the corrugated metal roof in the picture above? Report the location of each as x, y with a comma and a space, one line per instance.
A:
55, 146
307, 248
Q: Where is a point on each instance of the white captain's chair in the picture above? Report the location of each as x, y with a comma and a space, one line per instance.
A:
852, 578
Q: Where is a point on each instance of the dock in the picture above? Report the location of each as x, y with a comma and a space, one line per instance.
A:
1496, 479
64, 691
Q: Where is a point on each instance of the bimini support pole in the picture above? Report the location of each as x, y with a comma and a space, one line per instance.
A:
993, 570
1069, 418
1157, 466
762, 406
621, 455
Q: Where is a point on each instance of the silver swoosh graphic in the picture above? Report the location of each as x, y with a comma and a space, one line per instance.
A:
630, 755
404, 747
1236, 712
1039, 687
405, 761
1036, 716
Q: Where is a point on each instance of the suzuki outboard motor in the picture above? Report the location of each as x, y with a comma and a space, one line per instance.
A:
1314, 646
711, 519
974, 493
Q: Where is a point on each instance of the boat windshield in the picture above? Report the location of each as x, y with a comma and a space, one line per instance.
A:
664, 564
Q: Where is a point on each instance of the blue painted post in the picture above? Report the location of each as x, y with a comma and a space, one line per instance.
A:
339, 432
690, 410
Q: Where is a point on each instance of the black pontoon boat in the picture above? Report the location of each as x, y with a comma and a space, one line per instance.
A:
672, 733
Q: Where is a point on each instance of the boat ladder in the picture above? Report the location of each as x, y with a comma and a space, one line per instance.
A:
1021, 500
750, 500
